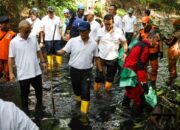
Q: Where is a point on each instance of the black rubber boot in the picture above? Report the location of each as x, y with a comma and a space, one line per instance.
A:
126, 102
170, 82
136, 110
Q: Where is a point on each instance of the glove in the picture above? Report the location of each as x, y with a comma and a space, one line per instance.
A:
160, 54
145, 87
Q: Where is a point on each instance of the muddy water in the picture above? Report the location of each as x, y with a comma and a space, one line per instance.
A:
105, 109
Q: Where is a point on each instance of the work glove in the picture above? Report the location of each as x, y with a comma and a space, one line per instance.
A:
160, 54
145, 87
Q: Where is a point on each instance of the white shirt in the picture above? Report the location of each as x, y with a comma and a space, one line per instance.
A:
25, 54
49, 26
12, 118
81, 54
118, 21
109, 43
95, 26
35, 25
129, 23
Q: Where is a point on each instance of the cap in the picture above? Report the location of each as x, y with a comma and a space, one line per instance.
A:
34, 11
81, 6
145, 19
84, 26
89, 12
4, 19
130, 10
66, 11
50, 9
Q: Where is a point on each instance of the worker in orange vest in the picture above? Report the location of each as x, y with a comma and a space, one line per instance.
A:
173, 56
155, 50
6, 35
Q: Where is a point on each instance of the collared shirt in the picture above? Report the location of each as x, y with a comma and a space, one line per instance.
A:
118, 21
12, 118
109, 43
95, 26
129, 23
36, 26
81, 53
25, 54
49, 26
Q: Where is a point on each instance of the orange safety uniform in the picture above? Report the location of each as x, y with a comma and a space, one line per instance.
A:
153, 53
5, 38
173, 55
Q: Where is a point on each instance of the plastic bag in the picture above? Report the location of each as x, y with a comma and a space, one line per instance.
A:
151, 98
128, 78
121, 51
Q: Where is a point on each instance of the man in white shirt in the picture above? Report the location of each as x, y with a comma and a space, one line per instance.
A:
109, 39
25, 53
83, 49
12, 118
117, 18
35, 22
129, 24
51, 33
95, 26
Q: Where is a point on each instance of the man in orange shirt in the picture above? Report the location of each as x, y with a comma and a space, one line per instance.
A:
155, 50
6, 35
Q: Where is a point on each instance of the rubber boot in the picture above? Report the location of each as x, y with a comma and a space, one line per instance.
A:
126, 102
137, 110
96, 86
59, 60
108, 86
170, 82
84, 106
50, 61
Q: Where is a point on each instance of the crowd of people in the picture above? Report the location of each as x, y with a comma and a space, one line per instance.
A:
90, 42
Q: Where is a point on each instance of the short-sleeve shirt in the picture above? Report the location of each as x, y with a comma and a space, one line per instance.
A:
81, 53
25, 54
118, 21
95, 26
109, 43
49, 26
12, 118
129, 23
36, 26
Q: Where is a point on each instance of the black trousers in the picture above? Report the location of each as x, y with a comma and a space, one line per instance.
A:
128, 36
111, 68
36, 82
81, 82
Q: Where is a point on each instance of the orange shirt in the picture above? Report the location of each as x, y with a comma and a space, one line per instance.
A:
4, 43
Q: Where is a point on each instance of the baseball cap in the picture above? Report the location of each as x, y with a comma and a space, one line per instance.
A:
130, 10
66, 11
50, 9
84, 26
34, 11
81, 6
4, 19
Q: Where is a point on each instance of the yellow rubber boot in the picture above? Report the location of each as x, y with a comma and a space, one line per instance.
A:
50, 60
96, 86
84, 106
59, 60
108, 86
78, 98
